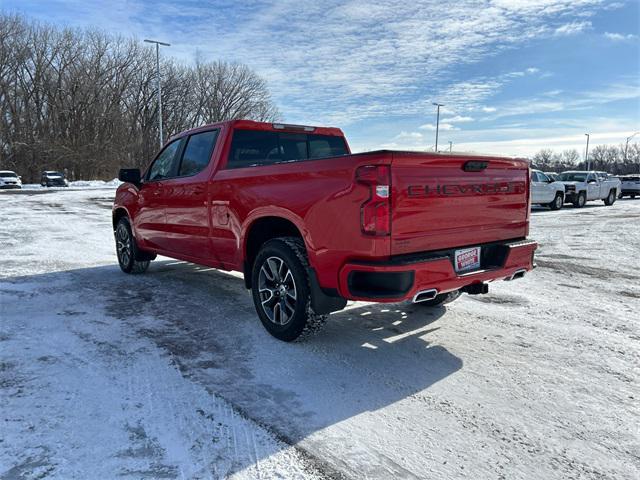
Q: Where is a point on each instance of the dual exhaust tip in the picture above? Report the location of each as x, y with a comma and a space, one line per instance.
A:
473, 289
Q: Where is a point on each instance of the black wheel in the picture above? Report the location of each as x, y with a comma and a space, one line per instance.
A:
611, 198
441, 299
281, 291
580, 200
127, 250
558, 202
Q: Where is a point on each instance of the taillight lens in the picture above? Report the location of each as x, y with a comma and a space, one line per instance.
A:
375, 213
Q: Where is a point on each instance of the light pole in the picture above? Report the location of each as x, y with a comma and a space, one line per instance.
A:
586, 154
159, 84
626, 146
438, 105
450, 145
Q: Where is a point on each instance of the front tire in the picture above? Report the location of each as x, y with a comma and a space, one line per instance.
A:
580, 200
127, 249
611, 198
557, 203
281, 290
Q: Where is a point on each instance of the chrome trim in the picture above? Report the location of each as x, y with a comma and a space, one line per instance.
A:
432, 292
516, 275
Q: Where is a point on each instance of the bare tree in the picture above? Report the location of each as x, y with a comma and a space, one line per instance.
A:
84, 101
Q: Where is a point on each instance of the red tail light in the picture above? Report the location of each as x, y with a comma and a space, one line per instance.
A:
375, 213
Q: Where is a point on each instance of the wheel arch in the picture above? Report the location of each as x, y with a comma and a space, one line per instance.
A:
117, 214
261, 230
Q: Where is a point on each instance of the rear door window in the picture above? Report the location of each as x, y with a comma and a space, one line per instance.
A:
197, 153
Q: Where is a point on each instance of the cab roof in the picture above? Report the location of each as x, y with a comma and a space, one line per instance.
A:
265, 126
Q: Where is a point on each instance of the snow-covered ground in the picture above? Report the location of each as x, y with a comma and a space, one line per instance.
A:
171, 375
76, 184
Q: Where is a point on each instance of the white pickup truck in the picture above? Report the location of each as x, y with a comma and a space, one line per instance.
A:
582, 186
546, 191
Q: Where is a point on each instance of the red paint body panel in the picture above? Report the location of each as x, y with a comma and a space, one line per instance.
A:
206, 218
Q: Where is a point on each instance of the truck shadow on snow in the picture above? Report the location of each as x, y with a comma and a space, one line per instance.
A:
367, 358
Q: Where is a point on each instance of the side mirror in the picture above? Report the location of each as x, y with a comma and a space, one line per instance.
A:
130, 175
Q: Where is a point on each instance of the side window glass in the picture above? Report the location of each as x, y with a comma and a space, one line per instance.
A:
253, 147
543, 178
321, 146
197, 153
293, 146
534, 177
166, 164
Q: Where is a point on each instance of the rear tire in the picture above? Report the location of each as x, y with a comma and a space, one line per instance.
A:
611, 198
441, 299
281, 290
558, 202
580, 200
127, 249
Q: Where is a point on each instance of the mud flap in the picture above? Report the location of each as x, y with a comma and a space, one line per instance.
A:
322, 303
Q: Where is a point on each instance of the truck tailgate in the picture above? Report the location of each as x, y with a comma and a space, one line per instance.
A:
442, 201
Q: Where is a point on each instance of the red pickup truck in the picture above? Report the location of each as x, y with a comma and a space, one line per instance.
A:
311, 225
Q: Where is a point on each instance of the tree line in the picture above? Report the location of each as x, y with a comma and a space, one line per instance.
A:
617, 160
86, 102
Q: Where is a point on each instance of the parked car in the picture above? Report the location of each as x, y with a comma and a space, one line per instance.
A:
630, 186
552, 175
583, 186
9, 179
51, 178
545, 191
311, 225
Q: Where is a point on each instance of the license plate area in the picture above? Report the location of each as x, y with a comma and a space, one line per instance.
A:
466, 259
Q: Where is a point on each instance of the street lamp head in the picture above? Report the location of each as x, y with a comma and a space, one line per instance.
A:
437, 104
157, 42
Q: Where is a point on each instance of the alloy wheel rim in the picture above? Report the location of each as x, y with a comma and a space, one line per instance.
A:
123, 244
558, 202
277, 290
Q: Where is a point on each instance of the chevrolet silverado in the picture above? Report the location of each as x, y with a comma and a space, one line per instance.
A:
312, 225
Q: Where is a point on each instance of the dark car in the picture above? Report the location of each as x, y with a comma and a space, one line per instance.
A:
53, 179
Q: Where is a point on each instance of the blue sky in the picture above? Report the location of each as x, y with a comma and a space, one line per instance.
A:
514, 75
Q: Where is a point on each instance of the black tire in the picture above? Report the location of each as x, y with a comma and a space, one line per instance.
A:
558, 202
129, 256
281, 290
441, 299
633, 195
611, 198
580, 200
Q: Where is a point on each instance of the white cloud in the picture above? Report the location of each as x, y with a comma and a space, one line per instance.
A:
338, 62
488, 109
408, 136
432, 127
458, 119
572, 28
619, 37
